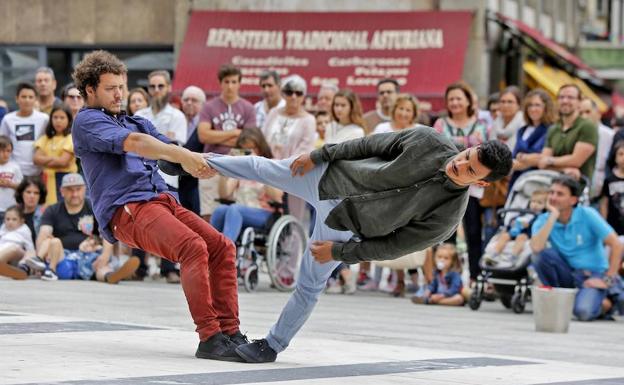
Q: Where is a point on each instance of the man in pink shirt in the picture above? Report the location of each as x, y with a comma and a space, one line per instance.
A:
220, 123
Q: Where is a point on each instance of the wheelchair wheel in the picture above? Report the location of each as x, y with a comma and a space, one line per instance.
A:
251, 278
285, 246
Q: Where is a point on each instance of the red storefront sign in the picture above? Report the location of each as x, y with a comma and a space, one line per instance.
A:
424, 51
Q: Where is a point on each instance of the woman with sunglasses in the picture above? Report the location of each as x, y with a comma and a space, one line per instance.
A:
72, 98
291, 130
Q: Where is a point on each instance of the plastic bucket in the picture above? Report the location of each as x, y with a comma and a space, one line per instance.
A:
552, 308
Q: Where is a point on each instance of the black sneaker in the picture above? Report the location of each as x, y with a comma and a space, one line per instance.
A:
257, 352
218, 347
239, 338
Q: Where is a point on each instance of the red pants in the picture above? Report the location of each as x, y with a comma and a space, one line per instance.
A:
207, 258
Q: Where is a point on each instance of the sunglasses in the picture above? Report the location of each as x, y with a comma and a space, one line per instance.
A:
159, 86
291, 93
74, 97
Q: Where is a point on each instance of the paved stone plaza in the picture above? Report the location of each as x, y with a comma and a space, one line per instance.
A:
141, 333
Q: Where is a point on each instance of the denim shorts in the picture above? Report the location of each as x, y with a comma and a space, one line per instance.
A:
76, 265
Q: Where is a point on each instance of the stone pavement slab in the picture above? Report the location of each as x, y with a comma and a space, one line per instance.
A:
141, 333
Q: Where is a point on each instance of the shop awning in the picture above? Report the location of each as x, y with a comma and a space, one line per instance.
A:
546, 45
424, 51
551, 79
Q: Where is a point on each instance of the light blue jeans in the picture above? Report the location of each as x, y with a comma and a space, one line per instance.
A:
231, 219
312, 275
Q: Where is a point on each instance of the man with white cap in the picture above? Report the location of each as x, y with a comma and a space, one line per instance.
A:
68, 243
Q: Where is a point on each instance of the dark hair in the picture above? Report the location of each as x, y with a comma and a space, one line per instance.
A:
355, 107
87, 73
569, 182
321, 113
28, 181
549, 107
66, 89
571, 85
264, 75
18, 210
25, 86
133, 91
465, 88
496, 156
255, 136
50, 131
493, 99
5, 142
229, 70
389, 80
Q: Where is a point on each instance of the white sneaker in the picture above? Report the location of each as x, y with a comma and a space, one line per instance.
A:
348, 288
36, 263
49, 275
334, 288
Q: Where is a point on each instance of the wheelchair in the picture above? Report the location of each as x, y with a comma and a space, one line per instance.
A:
277, 247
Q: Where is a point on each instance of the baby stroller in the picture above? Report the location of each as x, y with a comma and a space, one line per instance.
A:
506, 272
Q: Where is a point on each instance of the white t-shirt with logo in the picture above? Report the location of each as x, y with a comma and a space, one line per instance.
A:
23, 132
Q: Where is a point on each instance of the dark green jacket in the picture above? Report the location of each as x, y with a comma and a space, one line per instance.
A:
396, 198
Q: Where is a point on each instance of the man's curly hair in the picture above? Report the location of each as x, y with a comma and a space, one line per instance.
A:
87, 72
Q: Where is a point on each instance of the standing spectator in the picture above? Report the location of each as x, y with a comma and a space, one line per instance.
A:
539, 113
220, 123
66, 240
271, 96
577, 257
193, 100
612, 197
404, 113
138, 99
10, 176
45, 82
347, 113
323, 121
291, 130
589, 110
23, 127
387, 90
30, 195
54, 151
493, 105
465, 130
168, 120
325, 97
510, 117
571, 142
72, 98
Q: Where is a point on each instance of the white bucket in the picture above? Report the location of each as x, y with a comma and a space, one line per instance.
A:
552, 308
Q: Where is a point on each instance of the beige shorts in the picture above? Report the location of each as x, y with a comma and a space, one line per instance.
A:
208, 195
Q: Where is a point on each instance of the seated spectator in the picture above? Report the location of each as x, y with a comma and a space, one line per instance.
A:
576, 257
67, 242
446, 287
539, 113
347, 114
519, 229
252, 198
15, 243
612, 196
54, 152
30, 196
510, 117
571, 142
10, 175
589, 110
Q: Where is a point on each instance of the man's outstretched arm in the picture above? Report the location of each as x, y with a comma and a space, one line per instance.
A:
149, 147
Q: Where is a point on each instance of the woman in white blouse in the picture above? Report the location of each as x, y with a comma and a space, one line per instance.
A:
404, 114
348, 121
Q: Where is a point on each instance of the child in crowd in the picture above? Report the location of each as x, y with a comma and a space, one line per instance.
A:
10, 176
519, 228
15, 243
612, 196
323, 120
447, 285
54, 151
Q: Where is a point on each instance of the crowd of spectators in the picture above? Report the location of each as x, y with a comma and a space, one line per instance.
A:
49, 230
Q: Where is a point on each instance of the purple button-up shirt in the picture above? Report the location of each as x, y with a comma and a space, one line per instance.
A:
114, 177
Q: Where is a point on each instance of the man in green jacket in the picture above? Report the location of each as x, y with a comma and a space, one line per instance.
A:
378, 197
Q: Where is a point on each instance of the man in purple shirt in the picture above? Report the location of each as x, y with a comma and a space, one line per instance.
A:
131, 202
220, 123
